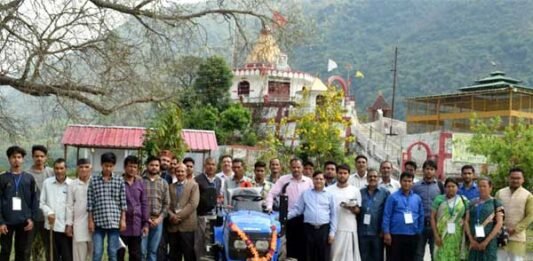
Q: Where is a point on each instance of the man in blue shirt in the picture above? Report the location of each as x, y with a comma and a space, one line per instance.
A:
370, 219
428, 189
403, 220
469, 187
320, 219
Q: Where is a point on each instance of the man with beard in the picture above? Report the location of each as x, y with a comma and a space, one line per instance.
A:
387, 182
428, 189
348, 198
469, 187
330, 172
165, 157
158, 200
370, 219
518, 204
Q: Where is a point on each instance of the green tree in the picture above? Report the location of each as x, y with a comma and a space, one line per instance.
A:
317, 133
235, 125
165, 132
214, 78
201, 117
511, 147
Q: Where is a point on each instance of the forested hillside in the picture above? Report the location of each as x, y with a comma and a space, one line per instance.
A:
443, 45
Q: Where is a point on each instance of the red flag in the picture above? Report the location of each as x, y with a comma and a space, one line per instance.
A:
279, 19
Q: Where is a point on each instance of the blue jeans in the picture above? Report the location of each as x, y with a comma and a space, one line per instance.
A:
371, 248
150, 243
425, 237
113, 243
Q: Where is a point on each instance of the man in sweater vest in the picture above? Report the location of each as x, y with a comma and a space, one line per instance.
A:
518, 204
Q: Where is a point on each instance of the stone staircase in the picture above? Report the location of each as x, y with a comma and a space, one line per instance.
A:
377, 146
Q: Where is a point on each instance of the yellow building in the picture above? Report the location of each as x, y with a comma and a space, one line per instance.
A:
496, 95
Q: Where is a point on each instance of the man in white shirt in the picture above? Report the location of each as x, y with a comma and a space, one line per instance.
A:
53, 204
348, 199
227, 170
77, 216
387, 182
358, 179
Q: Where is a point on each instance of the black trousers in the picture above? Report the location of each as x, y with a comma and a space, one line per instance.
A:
62, 246
316, 239
403, 247
134, 248
182, 246
22, 243
295, 238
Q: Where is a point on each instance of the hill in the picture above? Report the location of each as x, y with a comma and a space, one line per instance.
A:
443, 45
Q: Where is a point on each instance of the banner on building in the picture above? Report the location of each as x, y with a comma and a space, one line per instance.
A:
460, 152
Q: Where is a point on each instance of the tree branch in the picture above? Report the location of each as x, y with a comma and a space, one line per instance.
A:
134, 11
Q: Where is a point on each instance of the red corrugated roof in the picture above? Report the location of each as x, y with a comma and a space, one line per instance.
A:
198, 140
93, 136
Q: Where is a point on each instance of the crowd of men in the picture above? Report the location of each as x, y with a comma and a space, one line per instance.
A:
163, 212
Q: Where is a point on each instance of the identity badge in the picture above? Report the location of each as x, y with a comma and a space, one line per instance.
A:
366, 219
17, 204
408, 218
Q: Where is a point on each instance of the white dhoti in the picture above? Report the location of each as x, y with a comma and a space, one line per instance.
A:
345, 247
82, 251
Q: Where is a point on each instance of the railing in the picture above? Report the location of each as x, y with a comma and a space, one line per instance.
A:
269, 99
378, 145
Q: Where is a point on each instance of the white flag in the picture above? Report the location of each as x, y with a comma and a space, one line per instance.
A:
332, 65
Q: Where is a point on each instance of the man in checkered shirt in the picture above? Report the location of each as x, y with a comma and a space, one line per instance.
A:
106, 205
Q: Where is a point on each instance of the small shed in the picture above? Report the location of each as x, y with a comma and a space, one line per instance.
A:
91, 141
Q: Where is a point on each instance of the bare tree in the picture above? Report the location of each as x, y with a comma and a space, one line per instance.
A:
76, 50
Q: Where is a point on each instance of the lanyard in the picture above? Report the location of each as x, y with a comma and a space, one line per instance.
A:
370, 200
406, 202
452, 209
478, 209
17, 183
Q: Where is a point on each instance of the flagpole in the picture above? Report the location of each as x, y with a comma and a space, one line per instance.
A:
394, 75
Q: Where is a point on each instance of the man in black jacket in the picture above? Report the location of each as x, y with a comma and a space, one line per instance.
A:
18, 207
209, 186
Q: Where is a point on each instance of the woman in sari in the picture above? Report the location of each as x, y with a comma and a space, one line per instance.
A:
447, 217
483, 223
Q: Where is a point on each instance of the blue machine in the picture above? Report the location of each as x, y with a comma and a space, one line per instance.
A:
249, 218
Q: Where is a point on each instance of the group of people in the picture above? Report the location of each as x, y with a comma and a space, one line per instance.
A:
369, 215
163, 212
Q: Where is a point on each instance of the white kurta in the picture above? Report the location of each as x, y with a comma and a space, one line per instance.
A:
346, 246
